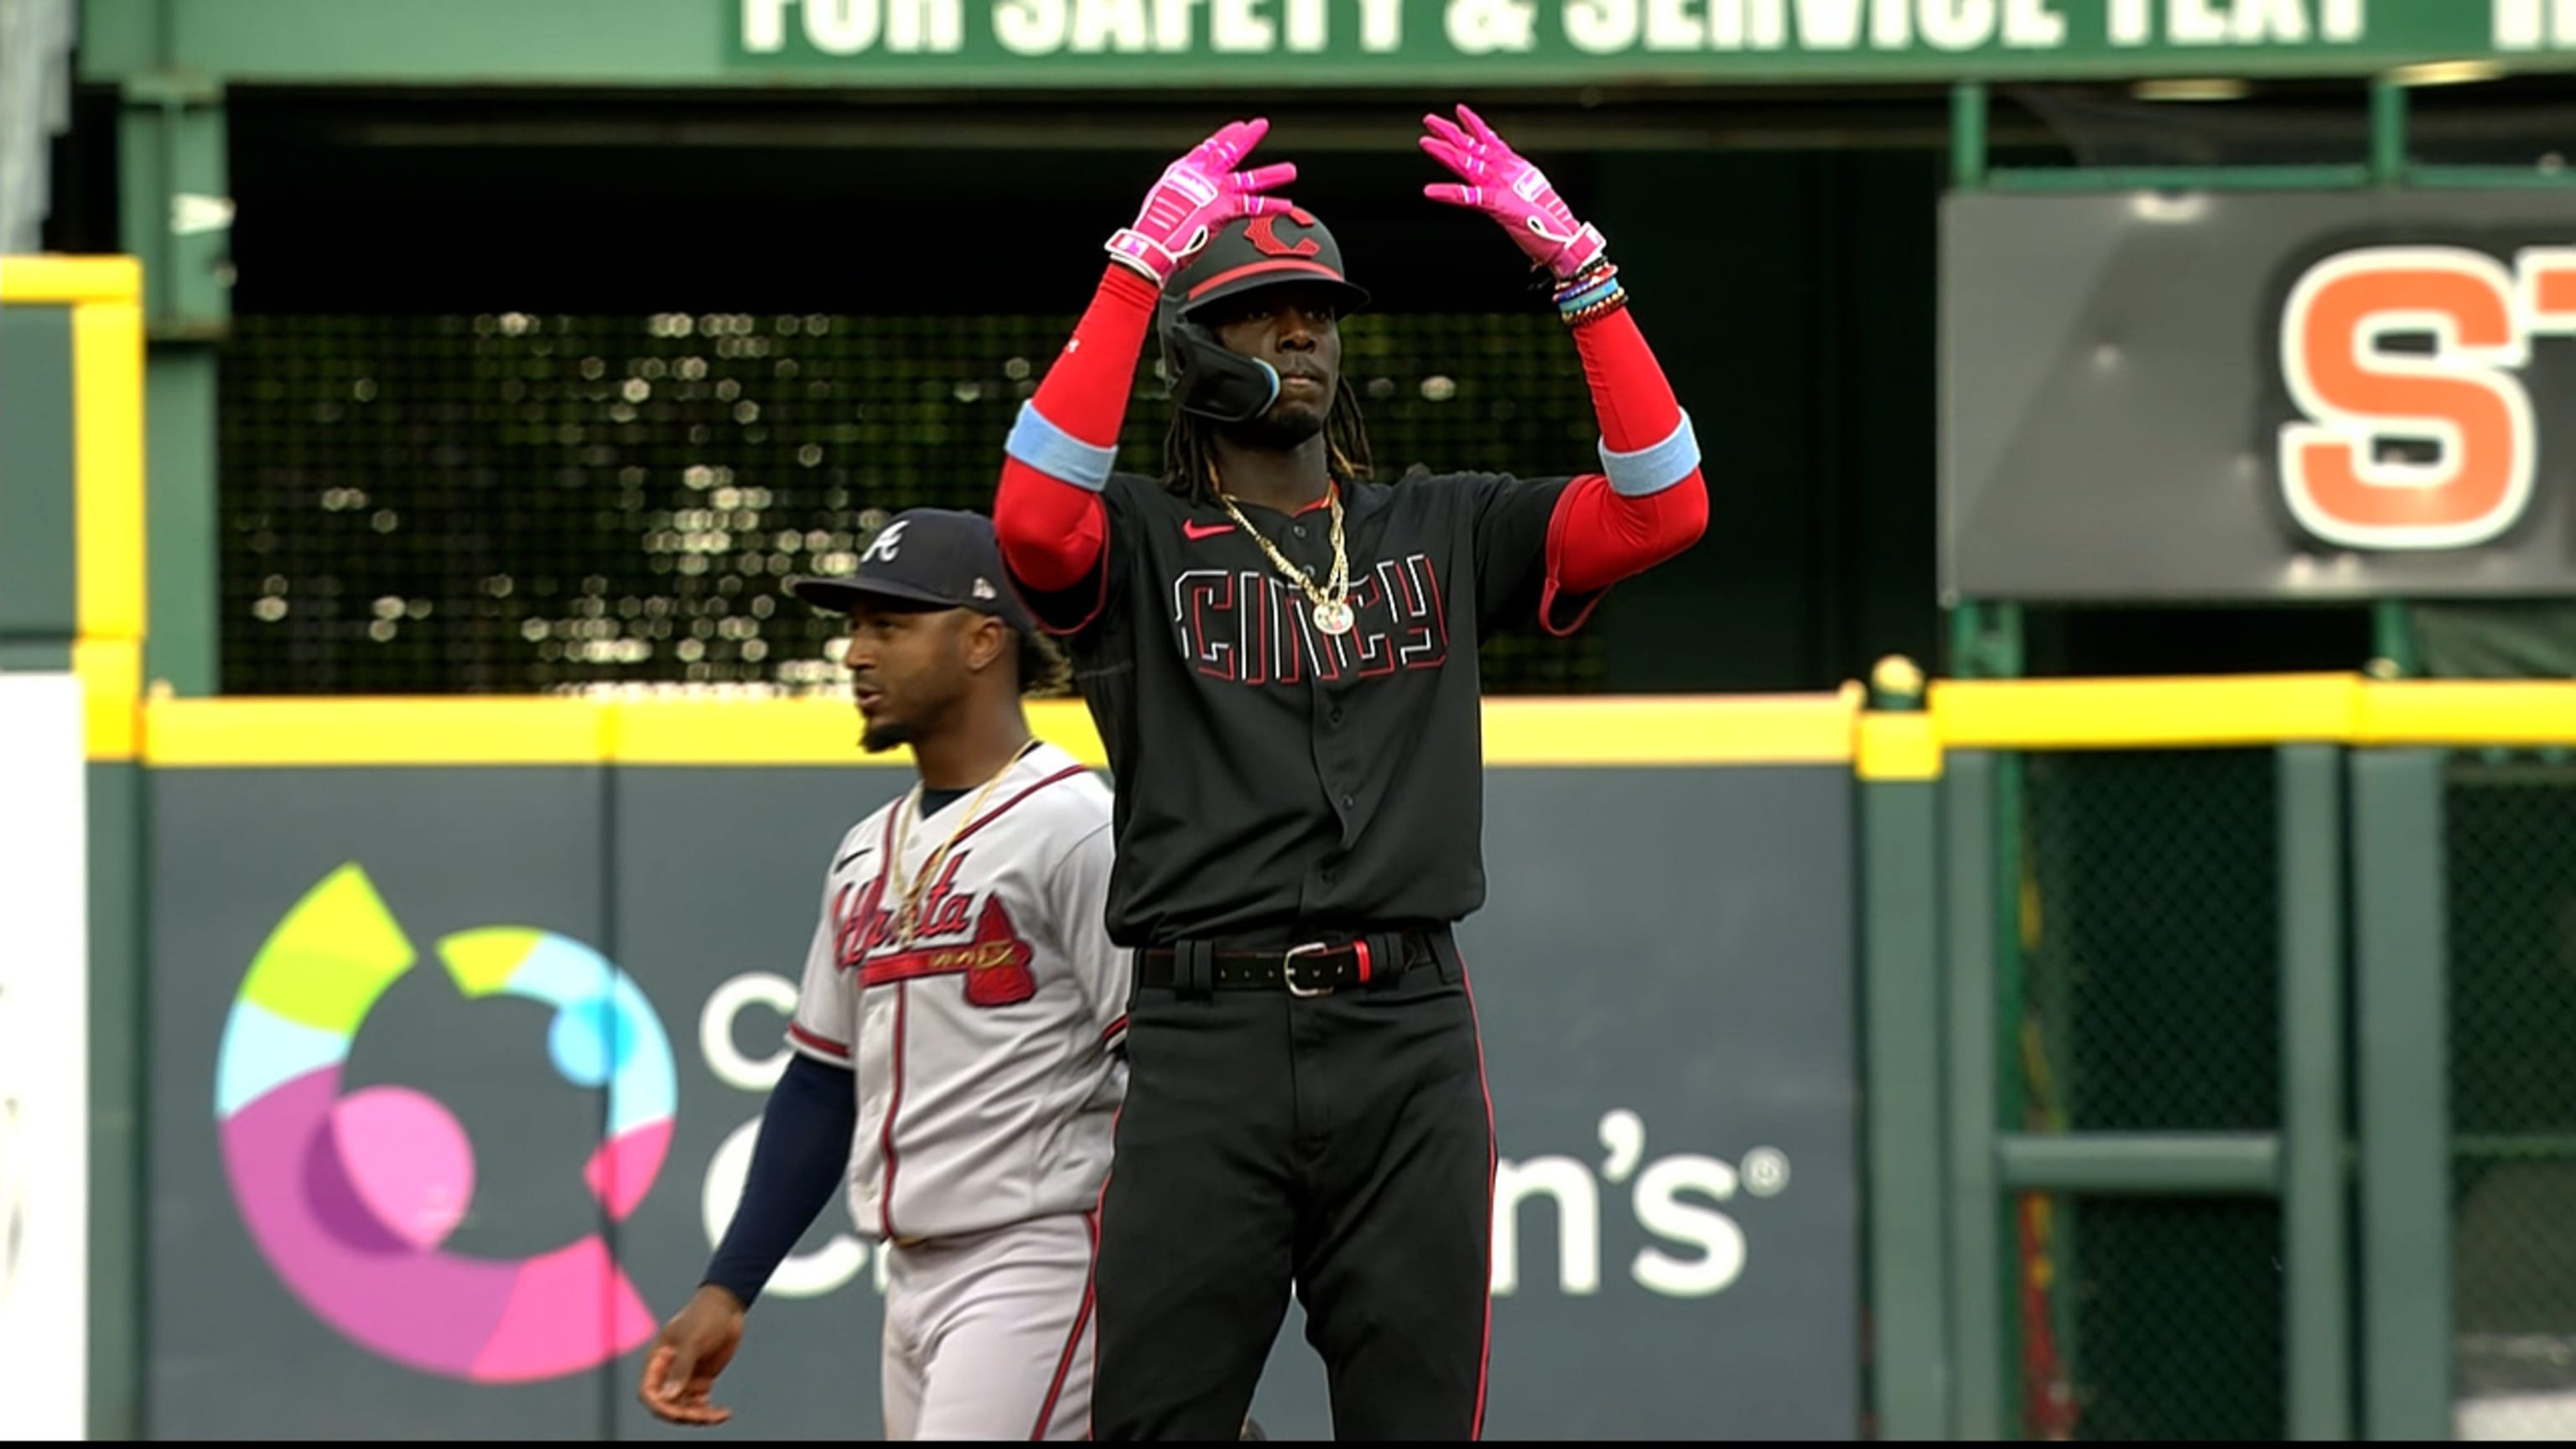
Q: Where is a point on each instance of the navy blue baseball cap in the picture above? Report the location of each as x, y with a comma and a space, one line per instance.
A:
936, 558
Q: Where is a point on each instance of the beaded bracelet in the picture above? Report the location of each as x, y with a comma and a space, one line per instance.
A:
1591, 279
1575, 300
1594, 292
1576, 317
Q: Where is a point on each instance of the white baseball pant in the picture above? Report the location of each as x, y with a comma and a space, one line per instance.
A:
989, 1336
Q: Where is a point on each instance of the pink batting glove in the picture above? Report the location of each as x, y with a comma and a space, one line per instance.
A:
1506, 187
1194, 197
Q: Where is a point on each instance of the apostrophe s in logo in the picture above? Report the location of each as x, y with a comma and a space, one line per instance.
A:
2461, 403
349, 1197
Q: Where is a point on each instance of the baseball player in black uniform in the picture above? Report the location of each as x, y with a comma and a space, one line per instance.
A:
1280, 653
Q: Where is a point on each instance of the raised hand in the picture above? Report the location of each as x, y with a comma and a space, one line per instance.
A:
1498, 181
1196, 195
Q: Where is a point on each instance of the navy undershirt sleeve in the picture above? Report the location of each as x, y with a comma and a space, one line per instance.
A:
797, 1162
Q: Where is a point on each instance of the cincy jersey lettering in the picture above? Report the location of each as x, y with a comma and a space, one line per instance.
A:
1252, 627
992, 955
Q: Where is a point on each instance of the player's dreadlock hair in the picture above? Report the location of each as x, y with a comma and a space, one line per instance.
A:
1189, 456
1043, 668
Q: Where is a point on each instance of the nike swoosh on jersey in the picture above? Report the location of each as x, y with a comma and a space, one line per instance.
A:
1196, 531
863, 850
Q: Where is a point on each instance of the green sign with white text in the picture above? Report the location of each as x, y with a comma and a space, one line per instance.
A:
1286, 44
1343, 42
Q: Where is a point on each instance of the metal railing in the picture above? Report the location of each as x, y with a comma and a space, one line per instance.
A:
2317, 828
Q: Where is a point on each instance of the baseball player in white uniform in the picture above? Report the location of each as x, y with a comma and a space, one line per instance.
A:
957, 1061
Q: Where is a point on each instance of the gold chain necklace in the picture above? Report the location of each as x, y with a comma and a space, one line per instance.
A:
1332, 606
907, 920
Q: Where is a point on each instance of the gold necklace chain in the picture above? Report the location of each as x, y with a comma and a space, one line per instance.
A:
907, 920
1332, 608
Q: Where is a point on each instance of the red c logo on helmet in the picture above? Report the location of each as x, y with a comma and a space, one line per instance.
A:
1265, 238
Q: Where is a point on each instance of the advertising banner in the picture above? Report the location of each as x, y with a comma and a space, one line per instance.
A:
458, 1071
1303, 44
1412, 41
2258, 396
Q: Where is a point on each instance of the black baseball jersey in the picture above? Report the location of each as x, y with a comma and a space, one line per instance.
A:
1272, 779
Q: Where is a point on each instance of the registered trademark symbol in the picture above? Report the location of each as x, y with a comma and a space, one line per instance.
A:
1766, 1171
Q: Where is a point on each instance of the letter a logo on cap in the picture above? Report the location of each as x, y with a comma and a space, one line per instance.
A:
887, 543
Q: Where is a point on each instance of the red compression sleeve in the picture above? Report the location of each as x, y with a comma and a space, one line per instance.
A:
1052, 531
1636, 405
1600, 535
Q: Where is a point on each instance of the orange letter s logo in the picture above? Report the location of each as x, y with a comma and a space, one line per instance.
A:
2462, 397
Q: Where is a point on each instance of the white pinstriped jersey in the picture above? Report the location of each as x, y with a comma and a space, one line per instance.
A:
985, 1051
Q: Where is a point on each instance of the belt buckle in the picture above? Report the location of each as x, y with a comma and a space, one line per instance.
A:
1287, 971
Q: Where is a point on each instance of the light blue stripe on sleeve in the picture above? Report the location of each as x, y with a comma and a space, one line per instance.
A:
1059, 454
1654, 468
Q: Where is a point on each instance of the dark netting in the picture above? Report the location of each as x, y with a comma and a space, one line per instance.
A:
515, 503
2144, 996
2151, 983
2511, 839
2170, 1323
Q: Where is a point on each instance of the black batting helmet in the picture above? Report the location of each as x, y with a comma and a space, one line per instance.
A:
1246, 254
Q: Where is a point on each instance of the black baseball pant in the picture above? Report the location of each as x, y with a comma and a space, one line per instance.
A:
1342, 1145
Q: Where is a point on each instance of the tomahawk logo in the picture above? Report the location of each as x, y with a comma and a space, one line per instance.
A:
2419, 449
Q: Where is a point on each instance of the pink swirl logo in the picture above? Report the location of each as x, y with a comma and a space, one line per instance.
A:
350, 1197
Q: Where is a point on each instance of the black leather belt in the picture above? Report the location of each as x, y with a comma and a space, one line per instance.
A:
1312, 968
